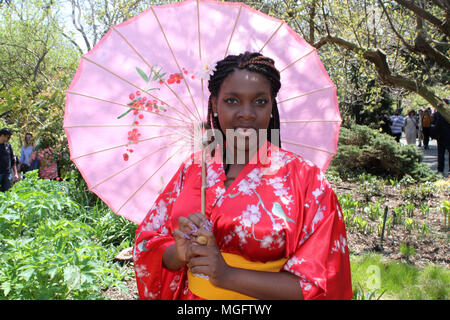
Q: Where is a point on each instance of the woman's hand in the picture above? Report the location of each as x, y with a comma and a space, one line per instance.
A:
207, 259
184, 235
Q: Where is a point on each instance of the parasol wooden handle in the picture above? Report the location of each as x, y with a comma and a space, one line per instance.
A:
201, 239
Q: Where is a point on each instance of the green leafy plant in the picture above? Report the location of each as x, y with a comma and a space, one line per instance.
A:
361, 225
424, 209
373, 210
424, 229
409, 209
445, 208
418, 193
398, 215
407, 250
388, 225
348, 207
409, 224
55, 248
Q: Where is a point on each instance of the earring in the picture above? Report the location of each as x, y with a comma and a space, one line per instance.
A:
271, 115
215, 115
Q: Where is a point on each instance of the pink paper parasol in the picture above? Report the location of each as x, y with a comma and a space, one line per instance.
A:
137, 96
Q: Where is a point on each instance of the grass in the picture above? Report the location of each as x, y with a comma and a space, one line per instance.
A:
375, 277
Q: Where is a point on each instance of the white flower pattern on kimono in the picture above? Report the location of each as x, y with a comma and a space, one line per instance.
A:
291, 262
286, 200
158, 218
212, 177
267, 241
219, 193
277, 227
339, 245
255, 176
242, 234
174, 284
316, 193
317, 218
251, 216
141, 271
244, 187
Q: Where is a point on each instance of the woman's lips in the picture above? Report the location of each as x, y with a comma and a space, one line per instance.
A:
245, 132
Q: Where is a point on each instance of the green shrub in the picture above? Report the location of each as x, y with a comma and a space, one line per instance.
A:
364, 150
55, 248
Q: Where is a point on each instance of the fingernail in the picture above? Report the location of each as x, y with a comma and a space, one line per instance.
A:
194, 229
186, 236
207, 225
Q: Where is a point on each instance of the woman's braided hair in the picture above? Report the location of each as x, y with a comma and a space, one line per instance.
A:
254, 62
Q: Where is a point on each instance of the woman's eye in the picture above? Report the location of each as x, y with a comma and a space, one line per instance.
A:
231, 101
261, 101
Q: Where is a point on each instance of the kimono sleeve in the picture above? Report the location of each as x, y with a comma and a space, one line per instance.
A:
153, 236
321, 258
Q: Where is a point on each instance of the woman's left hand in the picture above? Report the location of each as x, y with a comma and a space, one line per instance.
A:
207, 259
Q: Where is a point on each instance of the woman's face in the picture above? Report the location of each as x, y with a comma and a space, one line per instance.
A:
244, 105
4, 138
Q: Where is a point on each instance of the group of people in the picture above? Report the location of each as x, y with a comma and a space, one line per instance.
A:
414, 125
423, 125
12, 167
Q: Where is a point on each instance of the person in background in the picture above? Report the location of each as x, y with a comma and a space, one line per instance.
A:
442, 137
426, 124
47, 158
419, 126
397, 124
25, 154
410, 127
7, 160
385, 124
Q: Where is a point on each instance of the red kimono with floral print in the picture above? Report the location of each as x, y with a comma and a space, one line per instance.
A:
282, 207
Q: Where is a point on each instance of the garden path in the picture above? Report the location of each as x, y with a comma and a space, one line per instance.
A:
430, 155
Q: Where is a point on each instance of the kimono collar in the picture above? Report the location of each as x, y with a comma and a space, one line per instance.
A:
262, 158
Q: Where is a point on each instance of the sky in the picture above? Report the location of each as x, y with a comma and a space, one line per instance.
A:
66, 14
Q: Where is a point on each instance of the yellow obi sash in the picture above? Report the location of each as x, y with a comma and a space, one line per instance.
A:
206, 290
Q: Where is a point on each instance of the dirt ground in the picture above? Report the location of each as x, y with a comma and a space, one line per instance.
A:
434, 247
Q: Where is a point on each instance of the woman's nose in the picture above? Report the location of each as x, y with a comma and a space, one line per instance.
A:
246, 111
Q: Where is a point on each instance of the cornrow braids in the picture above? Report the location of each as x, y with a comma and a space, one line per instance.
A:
254, 62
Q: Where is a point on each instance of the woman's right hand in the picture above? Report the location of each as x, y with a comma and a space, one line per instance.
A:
181, 244
183, 235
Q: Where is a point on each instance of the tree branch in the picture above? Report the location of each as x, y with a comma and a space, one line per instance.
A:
443, 26
378, 59
421, 45
79, 27
443, 4
73, 42
406, 44
312, 15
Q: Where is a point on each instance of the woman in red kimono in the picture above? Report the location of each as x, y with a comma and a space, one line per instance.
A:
273, 225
